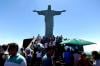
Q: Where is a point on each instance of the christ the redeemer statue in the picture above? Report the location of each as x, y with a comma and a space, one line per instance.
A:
49, 21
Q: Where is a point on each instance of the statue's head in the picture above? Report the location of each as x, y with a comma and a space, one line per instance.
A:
49, 7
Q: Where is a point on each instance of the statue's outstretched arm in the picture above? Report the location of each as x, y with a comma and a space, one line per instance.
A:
39, 12
63, 11
58, 12
35, 11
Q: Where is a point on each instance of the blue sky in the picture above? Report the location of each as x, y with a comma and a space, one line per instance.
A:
81, 19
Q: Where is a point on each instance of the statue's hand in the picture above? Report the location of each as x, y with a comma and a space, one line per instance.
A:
34, 11
63, 10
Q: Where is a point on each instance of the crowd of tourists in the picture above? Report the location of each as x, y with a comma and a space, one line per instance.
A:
46, 51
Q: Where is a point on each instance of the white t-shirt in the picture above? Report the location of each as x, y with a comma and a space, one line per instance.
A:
46, 45
38, 54
76, 57
17, 60
50, 44
54, 43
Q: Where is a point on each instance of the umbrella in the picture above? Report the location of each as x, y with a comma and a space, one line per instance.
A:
77, 42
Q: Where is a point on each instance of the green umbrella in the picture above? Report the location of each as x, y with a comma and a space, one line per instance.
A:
77, 42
